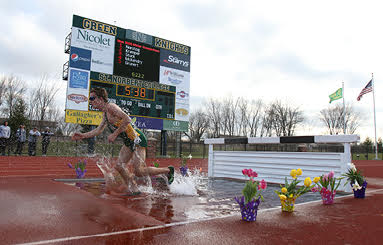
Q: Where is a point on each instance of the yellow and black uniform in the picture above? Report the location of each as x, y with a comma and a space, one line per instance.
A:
129, 135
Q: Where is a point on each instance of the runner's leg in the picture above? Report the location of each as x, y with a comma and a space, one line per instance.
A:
128, 177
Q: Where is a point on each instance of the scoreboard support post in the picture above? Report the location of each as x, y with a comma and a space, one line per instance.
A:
163, 142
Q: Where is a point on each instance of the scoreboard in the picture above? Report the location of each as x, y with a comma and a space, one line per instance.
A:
137, 97
147, 76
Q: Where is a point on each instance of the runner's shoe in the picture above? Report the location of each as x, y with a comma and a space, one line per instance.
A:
170, 175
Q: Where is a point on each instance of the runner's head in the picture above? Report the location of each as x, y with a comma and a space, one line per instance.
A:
99, 93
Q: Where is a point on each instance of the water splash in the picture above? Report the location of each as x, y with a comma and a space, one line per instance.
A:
189, 185
193, 184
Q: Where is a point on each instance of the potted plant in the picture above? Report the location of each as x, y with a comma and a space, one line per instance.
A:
290, 191
184, 168
327, 187
80, 171
356, 180
252, 195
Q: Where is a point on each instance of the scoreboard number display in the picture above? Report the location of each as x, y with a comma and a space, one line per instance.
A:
139, 98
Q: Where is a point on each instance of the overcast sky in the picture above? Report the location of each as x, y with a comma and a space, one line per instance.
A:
296, 51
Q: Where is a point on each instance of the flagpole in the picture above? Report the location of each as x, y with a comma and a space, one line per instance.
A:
373, 98
344, 110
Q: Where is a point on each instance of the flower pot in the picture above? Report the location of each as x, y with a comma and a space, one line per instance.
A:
361, 193
327, 196
184, 170
288, 204
249, 210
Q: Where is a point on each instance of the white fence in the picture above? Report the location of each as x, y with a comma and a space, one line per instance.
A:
275, 166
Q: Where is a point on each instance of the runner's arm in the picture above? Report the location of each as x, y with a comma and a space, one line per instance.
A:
97, 131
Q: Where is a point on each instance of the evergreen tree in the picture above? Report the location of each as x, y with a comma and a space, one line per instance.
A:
19, 116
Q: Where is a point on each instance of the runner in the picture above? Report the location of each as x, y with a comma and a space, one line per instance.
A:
133, 152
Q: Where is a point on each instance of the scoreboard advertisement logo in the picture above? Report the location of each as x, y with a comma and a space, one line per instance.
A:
80, 58
147, 76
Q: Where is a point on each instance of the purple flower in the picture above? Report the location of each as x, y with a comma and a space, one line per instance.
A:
70, 165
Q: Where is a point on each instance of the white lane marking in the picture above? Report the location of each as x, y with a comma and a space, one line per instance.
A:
65, 239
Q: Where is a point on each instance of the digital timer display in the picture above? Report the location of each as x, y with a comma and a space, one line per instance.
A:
136, 97
135, 92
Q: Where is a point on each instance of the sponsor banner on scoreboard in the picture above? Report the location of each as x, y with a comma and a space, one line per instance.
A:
174, 77
101, 45
78, 90
78, 79
178, 78
174, 125
149, 123
139, 37
182, 112
175, 60
77, 99
83, 117
80, 58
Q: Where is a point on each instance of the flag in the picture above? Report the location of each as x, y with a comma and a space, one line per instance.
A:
365, 90
336, 95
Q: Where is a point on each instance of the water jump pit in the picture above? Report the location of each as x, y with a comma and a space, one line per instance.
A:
188, 198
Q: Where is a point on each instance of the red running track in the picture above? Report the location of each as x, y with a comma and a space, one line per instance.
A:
35, 210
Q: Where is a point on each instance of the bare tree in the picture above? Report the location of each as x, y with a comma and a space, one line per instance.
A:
43, 98
241, 119
214, 114
267, 121
198, 125
67, 128
338, 119
13, 88
229, 115
254, 117
286, 118
3, 88
281, 119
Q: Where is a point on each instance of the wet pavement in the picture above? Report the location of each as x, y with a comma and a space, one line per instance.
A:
43, 211
213, 198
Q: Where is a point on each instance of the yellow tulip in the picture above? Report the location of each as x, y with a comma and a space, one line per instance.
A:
282, 197
293, 173
299, 171
284, 190
307, 182
316, 179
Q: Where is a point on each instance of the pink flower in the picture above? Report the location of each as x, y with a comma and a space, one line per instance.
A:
325, 177
263, 184
244, 171
315, 189
254, 174
331, 175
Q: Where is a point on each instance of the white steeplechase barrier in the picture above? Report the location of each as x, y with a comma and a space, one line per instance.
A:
275, 166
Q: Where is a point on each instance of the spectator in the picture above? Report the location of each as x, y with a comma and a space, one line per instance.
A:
46, 140
5, 132
32, 140
21, 137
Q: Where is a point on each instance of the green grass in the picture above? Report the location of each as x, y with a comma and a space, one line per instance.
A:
362, 156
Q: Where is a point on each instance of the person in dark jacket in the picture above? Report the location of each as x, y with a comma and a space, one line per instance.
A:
21, 137
46, 140
32, 140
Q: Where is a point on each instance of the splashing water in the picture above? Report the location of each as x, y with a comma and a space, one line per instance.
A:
190, 185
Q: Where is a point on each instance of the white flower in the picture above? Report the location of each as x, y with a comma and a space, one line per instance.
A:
356, 186
352, 166
190, 156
